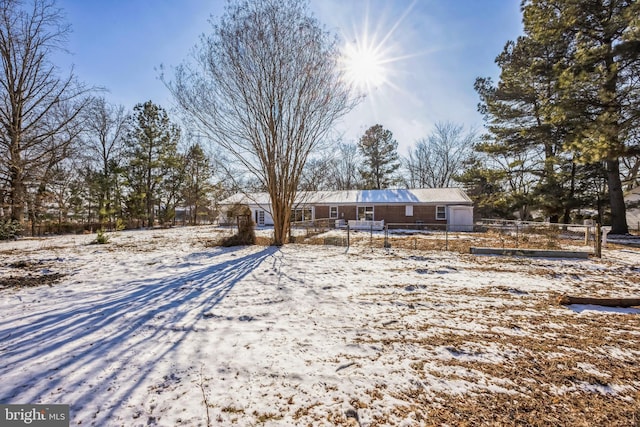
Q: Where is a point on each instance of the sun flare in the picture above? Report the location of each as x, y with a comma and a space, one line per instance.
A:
364, 66
368, 59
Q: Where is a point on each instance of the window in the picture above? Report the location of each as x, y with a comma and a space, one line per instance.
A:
333, 212
365, 213
441, 213
301, 214
408, 210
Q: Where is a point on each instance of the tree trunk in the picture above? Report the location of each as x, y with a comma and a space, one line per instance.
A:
17, 195
616, 198
279, 230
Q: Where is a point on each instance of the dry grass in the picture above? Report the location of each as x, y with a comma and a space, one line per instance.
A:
29, 280
457, 242
521, 359
517, 357
28, 274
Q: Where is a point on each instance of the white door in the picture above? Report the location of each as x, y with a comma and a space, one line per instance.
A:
260, 218
460, 219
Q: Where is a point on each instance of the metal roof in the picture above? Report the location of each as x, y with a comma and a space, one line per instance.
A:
349, 197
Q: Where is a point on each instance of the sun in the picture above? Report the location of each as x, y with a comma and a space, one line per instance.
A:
367, 61
364, 66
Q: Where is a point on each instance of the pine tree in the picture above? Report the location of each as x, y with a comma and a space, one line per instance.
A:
523, 132
198, 173
567, 101
151, 151
598, 87
380, 154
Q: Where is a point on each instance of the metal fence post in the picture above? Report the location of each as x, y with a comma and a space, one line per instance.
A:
386, 236
348, 235
446, 237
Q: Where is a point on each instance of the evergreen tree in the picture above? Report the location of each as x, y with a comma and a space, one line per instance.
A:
151, 152
565, 101
198, 173
485, 186
523, 134
380, 155
170, 189
598, 86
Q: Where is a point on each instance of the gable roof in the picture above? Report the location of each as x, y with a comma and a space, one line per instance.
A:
349, 197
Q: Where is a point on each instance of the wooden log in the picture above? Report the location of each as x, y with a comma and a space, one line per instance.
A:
606, 302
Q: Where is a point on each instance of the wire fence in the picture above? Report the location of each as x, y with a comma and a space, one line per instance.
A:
488, 233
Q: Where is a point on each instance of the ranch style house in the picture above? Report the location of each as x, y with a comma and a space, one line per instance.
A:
365, 208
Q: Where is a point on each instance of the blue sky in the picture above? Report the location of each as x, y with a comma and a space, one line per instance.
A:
441, 46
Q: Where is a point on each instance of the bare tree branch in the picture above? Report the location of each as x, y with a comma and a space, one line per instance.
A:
39, 111
266, 86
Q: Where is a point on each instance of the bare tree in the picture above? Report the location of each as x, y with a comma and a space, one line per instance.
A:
36, 106
42, 170
106, 126
316, 175
336, 168
434, 161
344, 167
266, 86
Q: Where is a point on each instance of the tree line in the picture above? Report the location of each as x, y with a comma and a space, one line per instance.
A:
68, 155
265, 87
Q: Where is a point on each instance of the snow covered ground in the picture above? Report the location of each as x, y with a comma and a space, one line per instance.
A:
160, 328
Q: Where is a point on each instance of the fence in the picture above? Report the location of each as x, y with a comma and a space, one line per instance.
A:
53, 228
502, 234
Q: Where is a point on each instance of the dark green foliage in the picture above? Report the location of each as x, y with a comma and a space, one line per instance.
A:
380, 153
9, 229
485, 187
565, 103
106, 128
597, 92
197, 186
151, 169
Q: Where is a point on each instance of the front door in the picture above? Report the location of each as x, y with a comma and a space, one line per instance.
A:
259, 218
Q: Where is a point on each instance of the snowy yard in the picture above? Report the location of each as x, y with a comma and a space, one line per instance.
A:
158, 328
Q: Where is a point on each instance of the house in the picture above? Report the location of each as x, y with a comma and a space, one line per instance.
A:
368, 208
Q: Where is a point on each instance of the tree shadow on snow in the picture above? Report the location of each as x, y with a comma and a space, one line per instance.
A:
87, 344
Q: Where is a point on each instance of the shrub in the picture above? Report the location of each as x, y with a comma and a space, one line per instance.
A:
246, 234
9, 229
102, 237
